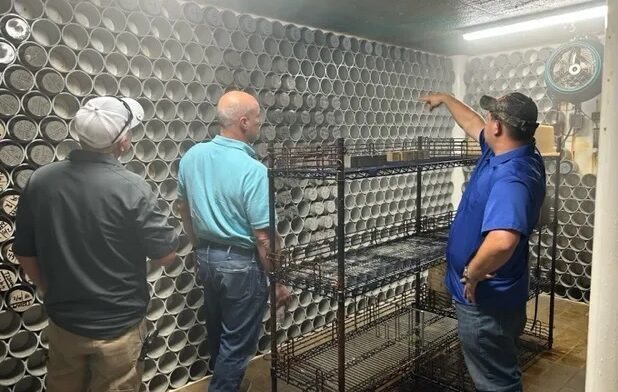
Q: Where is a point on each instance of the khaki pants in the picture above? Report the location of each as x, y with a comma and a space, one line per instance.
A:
79, 364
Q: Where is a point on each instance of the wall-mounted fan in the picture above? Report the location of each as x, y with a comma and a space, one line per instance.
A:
573, 71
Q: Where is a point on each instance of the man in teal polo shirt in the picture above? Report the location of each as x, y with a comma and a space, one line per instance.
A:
487, 252
224, 205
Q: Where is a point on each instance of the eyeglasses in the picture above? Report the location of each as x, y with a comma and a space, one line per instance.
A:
129, 119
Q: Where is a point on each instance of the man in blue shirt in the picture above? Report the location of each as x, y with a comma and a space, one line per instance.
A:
224, 206
487, 253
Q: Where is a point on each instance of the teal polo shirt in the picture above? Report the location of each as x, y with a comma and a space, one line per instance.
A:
226, 189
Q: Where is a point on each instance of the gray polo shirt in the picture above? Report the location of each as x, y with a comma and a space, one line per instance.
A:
91, 224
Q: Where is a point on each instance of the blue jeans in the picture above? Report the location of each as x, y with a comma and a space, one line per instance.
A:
489, 343
235, 294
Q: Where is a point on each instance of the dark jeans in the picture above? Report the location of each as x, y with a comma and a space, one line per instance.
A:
235, 295
489, 342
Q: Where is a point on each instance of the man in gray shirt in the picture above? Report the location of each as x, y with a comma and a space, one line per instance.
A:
85, 227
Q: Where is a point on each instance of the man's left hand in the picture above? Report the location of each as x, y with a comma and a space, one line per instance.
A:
470, 290
470, 285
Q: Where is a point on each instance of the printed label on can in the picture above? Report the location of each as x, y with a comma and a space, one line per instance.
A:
4, 180
6, 230
7, 253
8, 277
20, 299
9, 204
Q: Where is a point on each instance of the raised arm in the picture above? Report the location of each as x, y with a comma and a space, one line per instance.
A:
470, 121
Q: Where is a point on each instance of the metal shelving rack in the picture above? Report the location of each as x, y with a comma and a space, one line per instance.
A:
396, 338
445, 369
382, 341
329, 359
403, 250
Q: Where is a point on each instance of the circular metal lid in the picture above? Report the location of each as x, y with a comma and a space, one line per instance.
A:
21, 175
16, 28
7, 53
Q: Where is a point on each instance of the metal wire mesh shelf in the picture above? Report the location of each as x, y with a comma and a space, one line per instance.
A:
445, 370
536, 334
372, 159
538, 285
376, 257
441, 303
380, 343
436, 302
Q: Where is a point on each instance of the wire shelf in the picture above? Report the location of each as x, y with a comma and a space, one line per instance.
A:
535, 335
373, 159
381, 343
441, 303
375, 257
538, 285
446, 370
436, 302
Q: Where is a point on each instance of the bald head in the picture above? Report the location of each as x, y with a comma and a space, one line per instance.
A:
239, 116
232, 106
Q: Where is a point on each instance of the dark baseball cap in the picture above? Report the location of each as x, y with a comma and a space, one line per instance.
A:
515, 109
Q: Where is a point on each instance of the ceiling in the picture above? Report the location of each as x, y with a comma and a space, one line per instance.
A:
433, 25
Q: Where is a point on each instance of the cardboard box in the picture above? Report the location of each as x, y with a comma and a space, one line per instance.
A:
409, 155
394, 156
364, 160
545, 141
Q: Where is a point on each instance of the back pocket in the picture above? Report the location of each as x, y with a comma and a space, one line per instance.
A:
237, 283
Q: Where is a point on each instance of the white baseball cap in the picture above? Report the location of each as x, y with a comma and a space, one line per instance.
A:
101, 121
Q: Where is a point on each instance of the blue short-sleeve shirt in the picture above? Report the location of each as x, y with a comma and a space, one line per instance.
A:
504, 192
227, 191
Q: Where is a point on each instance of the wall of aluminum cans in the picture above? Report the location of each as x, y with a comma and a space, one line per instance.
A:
177, 59
523, 71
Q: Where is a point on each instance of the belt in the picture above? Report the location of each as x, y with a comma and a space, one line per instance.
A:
203, 244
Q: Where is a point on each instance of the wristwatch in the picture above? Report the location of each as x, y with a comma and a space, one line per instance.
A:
465, 277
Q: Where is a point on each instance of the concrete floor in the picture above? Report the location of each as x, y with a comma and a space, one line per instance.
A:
561, 370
